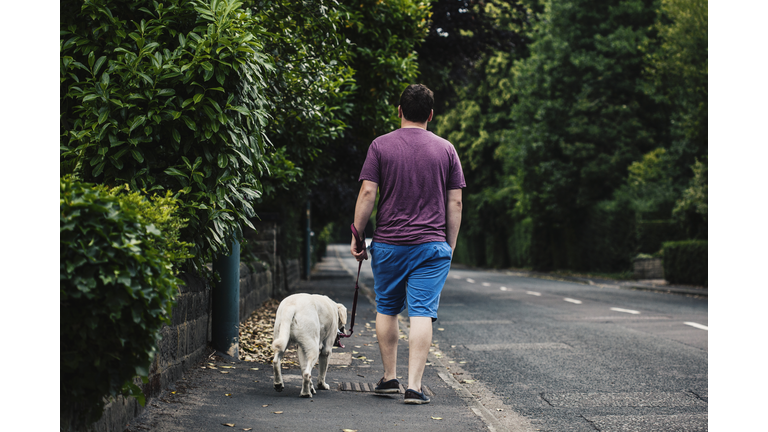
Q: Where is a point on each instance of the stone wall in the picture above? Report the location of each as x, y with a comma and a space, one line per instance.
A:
186, 341
648, 268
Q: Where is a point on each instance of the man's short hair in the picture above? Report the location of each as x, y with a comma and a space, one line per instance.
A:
416, 102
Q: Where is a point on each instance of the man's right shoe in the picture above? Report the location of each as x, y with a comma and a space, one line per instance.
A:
414, 397
385, 387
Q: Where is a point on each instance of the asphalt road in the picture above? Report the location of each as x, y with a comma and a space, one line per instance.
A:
565, 356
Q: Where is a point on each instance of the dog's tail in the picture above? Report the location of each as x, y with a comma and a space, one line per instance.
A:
282, 333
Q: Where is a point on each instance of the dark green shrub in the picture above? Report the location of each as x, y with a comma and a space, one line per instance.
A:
685, 262
168, 96
117, 285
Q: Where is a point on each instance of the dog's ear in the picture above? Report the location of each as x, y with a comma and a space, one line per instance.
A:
342, 315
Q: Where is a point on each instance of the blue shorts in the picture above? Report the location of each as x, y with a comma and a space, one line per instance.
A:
415, 273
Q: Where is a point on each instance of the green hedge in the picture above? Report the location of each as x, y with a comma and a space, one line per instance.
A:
685, 262
169, 96
117, 285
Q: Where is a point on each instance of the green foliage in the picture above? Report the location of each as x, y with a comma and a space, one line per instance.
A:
384, 35
691, 209
686, 262
117, 285
168, 97
650, 184
582, 118
678, 72
309, 94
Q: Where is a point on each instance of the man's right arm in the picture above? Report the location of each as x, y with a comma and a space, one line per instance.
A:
363, 209
453, 217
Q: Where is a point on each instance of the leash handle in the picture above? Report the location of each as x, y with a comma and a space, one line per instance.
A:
359, 240
360, 244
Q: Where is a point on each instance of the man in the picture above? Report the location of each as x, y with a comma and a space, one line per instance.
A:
419, 178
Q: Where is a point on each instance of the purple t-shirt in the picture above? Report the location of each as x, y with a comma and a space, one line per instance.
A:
414, 169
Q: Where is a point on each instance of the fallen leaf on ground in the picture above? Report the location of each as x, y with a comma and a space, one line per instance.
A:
265, 405
228, 367
229, 424
247, 429
227, 394
224, 371
277, 412
440, 329
349, 430
254, 368
256, 335
437, 418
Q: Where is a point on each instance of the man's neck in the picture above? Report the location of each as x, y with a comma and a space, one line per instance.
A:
405, 124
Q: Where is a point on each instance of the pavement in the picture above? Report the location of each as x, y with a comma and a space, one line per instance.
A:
223, 393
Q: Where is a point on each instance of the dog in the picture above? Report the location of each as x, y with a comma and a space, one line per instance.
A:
312, 321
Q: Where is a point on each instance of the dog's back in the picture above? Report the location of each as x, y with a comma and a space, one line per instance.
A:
306, 325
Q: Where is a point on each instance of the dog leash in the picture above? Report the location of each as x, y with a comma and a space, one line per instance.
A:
360, 243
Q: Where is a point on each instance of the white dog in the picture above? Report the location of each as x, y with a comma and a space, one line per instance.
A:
312, 321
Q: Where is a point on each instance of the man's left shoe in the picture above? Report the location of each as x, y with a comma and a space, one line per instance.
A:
414, 397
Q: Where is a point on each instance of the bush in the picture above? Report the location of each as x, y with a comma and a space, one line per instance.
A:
685, 262
168, 96
117, 285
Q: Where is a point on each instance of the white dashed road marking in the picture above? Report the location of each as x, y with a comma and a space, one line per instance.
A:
697, 325
503, 288
533, 293
574, 301
486, 284
629, 311
470, 280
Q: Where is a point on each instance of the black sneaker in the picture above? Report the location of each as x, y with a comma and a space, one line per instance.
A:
384, 387
414, 397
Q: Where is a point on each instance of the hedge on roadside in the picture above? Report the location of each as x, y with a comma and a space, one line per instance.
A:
685, 262
168, 96
117, 288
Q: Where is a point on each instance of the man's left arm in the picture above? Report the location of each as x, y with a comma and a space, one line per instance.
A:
453, 217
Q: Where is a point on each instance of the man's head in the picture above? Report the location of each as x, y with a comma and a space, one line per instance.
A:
416, 103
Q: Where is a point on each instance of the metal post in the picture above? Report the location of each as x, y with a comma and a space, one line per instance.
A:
308, 266
225, 325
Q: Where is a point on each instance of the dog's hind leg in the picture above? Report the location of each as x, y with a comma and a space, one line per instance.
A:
276, 362
281, 339
325, 354
307, 359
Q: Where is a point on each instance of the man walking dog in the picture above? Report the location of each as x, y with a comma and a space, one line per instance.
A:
419, 177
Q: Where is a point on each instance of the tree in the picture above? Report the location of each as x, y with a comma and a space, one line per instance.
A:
582, 118
464, 32
678, 73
